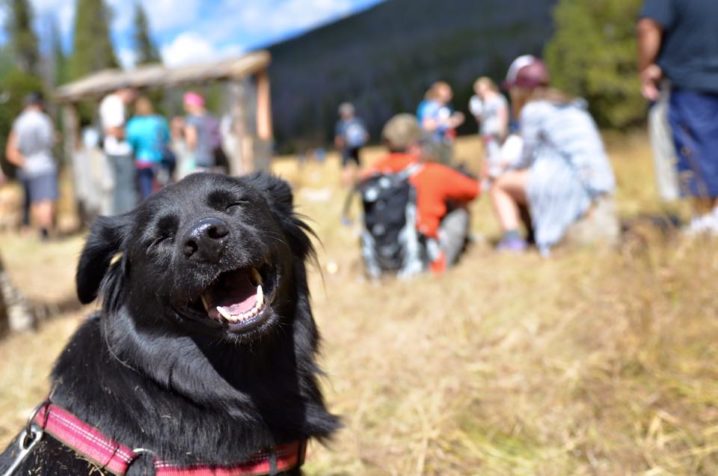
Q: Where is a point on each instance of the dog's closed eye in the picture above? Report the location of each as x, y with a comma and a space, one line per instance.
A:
165, 231
235, 206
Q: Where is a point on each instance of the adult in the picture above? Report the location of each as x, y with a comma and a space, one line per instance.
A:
678, 42
491, 111
113, 117
442, 193
29, 147
202, 133
350, 136
439, 120
564, 174
148, 134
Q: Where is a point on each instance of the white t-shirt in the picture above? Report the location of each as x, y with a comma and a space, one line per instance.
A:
35, 138
488, 113
112, 114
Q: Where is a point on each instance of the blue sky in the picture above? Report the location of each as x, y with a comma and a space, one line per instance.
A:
201, 30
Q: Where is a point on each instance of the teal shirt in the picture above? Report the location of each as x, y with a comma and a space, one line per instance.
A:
148, 136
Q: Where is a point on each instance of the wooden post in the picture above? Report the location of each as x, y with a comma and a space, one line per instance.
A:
263, 144
71, 134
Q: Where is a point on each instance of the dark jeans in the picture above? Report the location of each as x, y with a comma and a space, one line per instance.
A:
693, 117
146, 181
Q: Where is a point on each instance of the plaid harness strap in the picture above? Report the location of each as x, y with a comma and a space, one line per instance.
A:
115, 457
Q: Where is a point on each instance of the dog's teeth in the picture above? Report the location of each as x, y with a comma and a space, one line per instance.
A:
260, 297
225, 313
256, 276
205, 303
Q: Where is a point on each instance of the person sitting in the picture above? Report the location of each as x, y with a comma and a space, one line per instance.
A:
442, 193
563, 175
148, 134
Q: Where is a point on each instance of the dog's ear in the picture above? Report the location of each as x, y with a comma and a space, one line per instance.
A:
281, 201
277, 191
103, 243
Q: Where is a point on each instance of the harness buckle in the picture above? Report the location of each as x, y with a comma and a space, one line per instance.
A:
25, 442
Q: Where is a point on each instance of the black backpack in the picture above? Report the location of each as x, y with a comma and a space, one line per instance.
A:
390, 242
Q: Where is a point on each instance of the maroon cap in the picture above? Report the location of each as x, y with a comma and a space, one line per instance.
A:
526, 72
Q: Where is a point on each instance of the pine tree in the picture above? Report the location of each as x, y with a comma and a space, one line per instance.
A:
22, 37
92, 46
59, 59
145, 49
593, 55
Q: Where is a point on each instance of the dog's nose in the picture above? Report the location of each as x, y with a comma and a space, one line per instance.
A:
205, 240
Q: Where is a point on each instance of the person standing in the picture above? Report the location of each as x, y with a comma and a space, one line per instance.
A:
202, 133
149, 135
113, 115
491, 110
439, 120
350, 136
678, 42
29, 147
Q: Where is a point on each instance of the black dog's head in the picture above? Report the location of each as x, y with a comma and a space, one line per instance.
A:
210, 254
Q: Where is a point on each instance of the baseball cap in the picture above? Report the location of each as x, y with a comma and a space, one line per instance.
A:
192, 98
526, 71
402, 131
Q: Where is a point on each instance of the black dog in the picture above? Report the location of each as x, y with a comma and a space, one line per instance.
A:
204, 351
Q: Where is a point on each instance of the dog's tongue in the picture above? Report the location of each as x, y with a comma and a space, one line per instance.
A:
234, 292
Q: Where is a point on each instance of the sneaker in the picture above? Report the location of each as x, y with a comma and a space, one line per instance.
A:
512, 244
703, 225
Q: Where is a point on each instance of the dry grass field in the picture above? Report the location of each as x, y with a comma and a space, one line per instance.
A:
592, 362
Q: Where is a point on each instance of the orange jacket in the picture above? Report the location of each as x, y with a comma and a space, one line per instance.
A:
435, 185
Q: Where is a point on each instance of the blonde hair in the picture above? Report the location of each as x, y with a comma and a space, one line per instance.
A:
487, 82
433, 92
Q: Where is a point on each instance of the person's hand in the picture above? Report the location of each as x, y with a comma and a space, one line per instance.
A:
457, 119
650, 81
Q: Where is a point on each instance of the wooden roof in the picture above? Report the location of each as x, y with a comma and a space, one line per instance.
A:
152, 76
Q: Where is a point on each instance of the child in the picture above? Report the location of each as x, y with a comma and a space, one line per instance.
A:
491, 111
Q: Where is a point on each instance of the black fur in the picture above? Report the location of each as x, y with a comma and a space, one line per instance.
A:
151, 370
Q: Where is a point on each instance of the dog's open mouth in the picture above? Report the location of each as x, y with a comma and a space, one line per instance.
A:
238, 298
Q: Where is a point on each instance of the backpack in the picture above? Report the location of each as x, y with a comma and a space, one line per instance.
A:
390, 242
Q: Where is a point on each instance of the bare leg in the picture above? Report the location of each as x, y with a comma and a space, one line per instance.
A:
349, 175
43, 213
507, 193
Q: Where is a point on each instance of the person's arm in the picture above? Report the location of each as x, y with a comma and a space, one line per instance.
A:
456, 119
13, 154
649, 35
503, 114
457, 186
190, 133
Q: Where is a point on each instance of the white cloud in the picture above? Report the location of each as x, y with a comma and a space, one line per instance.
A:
282, 16
190, 47
168, 14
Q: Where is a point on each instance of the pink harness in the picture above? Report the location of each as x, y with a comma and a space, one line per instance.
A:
115, 457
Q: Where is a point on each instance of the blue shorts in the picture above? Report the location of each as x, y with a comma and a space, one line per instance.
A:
693, 117
41, 188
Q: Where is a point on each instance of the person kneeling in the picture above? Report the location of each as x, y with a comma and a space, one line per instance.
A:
439, 218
